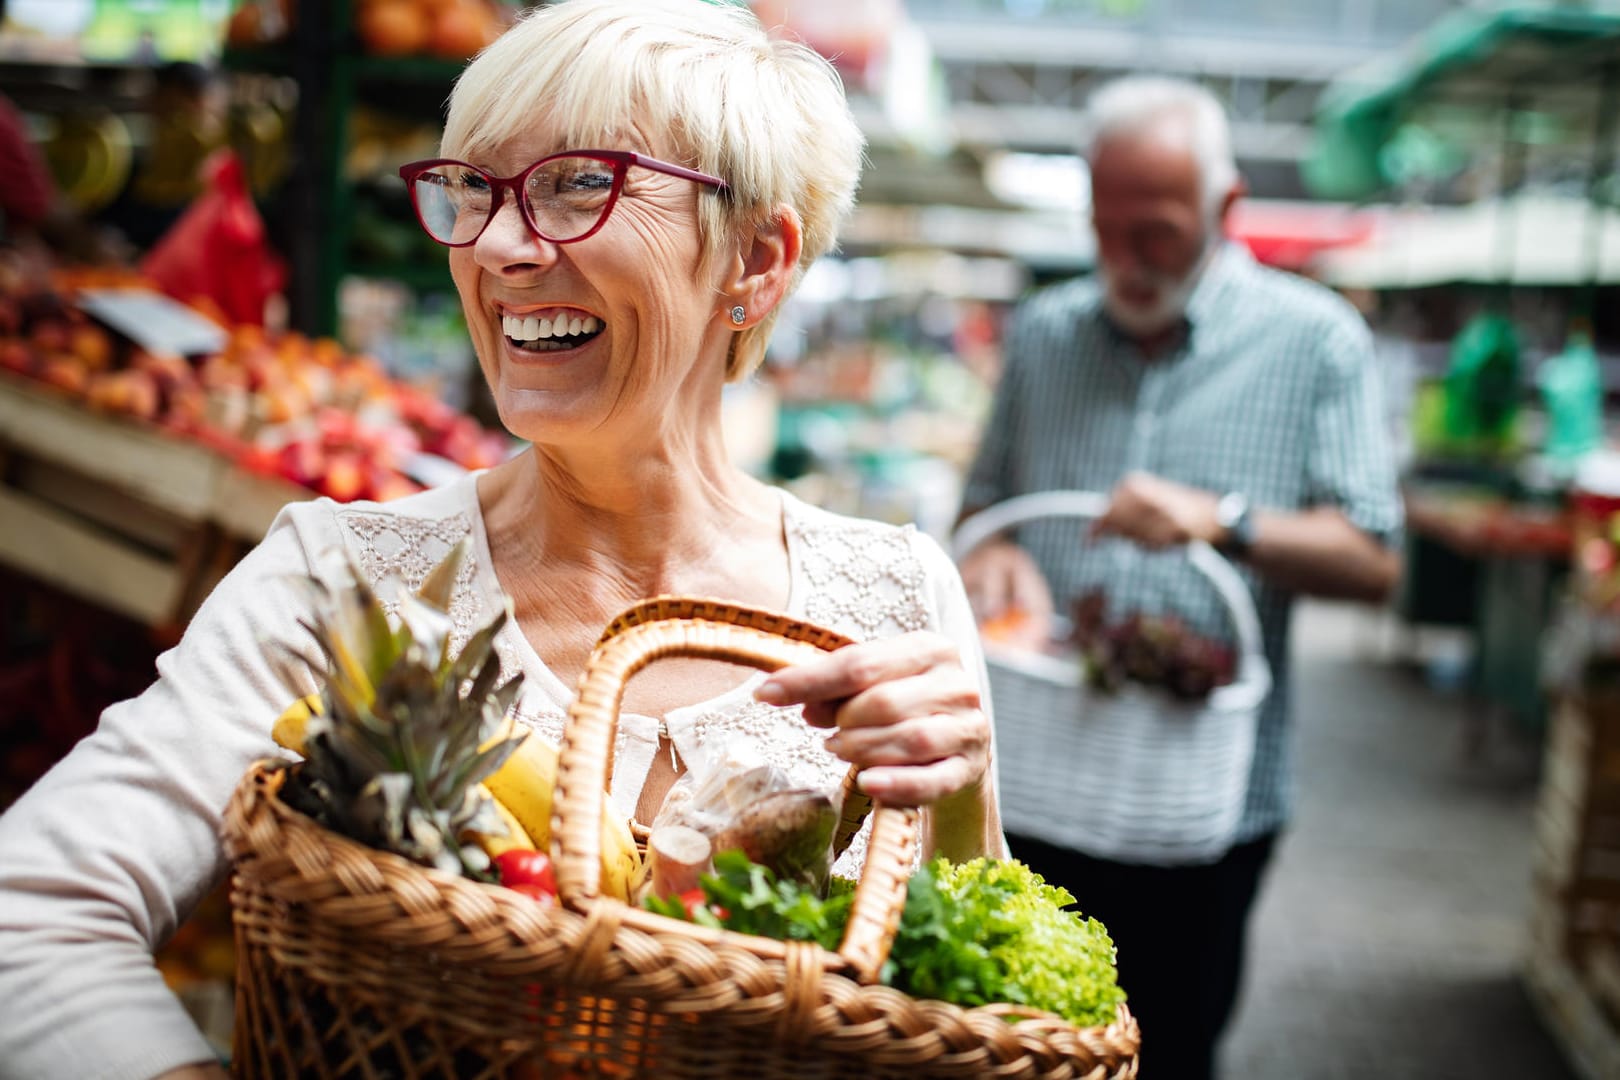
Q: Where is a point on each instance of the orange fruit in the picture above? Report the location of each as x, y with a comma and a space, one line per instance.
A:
459, 30
393, 28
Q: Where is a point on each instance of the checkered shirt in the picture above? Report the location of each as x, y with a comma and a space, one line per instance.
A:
1273, 392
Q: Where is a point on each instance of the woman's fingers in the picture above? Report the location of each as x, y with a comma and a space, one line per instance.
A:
854, 668
919, 785
921, 740
908, 714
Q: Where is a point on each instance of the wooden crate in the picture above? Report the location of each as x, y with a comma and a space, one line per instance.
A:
121, 514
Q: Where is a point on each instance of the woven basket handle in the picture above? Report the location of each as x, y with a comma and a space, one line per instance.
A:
1253, 681
671, 627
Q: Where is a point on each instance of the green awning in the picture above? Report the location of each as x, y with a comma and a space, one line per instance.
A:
1460, 75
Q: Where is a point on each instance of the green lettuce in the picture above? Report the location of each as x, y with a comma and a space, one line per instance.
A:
976, 933
990, 931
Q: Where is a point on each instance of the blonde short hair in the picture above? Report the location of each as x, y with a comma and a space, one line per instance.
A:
766, 115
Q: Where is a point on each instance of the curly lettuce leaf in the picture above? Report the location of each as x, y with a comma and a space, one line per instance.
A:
993, 931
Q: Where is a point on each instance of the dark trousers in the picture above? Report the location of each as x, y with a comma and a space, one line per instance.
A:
1180, 936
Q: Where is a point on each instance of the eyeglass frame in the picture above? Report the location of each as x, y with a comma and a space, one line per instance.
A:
499, 185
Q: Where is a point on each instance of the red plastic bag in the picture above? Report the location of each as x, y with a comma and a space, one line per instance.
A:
217, 249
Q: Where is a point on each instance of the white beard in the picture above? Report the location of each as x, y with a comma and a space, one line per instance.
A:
1170, 303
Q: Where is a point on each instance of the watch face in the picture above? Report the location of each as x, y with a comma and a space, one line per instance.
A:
1233, 516
1231, 510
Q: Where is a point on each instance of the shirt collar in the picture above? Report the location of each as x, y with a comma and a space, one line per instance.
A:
1226, 263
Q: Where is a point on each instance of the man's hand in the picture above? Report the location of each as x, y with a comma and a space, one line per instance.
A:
1005, 587
1158, 513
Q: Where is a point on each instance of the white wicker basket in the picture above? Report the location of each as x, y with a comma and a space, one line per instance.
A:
1134, 776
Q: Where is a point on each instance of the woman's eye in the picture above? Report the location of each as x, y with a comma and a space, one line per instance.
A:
591, 181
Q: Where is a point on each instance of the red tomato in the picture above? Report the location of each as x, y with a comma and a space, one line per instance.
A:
536, 892
526, 868
694, 900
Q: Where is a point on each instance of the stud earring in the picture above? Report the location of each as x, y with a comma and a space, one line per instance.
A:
739, 314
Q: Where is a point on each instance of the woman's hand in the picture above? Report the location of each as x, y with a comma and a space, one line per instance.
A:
906, 710
209, 1071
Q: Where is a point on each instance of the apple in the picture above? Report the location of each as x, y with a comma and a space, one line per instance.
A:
65, 372
345, 478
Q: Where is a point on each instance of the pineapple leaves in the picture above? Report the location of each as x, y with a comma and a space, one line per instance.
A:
411, 729
440, 584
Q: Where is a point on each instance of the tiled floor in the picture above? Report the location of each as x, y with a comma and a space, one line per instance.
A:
1387, 939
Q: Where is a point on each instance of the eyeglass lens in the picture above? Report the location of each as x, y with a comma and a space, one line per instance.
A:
566, 197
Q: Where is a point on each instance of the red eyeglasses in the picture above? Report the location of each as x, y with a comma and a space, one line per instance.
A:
563, 198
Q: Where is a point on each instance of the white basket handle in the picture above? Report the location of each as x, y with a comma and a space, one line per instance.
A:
1253, 681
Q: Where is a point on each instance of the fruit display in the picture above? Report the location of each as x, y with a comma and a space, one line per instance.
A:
260, 22
281, 405
1152, 650
408, 748
446, 29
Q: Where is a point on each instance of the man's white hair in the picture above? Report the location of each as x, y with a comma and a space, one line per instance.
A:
1152, 104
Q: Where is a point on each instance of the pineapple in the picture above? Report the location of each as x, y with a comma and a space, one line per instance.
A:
406, 732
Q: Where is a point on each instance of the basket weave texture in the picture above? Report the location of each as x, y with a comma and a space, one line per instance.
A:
1134, 776
354, 962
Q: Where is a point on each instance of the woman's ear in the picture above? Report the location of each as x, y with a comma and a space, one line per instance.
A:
763, 268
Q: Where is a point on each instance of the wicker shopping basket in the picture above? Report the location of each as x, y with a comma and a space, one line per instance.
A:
1133, 775
354, 962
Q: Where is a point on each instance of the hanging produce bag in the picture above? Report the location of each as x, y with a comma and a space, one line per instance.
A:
218, 250
1482, 384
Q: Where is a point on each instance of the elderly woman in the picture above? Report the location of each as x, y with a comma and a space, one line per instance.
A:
628, 192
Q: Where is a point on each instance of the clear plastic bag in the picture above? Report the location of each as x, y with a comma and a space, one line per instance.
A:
747, 804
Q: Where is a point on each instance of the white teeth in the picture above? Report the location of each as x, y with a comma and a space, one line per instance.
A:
534, 328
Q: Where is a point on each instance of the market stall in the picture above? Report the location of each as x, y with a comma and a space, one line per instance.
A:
1506, 115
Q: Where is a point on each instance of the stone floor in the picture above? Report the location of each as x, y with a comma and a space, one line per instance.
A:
1388, 935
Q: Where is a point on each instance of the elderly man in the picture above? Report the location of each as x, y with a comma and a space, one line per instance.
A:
1217, 400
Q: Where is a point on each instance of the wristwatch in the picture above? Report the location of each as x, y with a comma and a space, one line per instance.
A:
1235, 517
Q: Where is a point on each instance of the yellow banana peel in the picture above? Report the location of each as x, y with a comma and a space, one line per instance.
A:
516, 838
289, 727
525, 784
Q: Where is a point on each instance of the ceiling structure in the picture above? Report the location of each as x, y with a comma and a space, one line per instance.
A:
1016, 75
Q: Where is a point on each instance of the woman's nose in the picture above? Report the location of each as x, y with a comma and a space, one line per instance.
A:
507, 244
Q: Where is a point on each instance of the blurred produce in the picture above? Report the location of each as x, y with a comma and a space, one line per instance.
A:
446, 29
1153, 650
90, 155
283, 405
260, 22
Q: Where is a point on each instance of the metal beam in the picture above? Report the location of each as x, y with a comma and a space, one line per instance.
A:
1011, 42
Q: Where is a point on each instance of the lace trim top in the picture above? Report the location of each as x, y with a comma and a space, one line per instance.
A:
864, 579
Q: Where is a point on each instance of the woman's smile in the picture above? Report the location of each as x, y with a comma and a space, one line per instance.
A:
534, 333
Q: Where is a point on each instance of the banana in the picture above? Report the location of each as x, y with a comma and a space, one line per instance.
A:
289, 728
525, 784
516, 838
522, 789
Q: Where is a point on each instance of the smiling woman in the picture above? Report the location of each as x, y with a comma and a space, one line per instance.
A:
629, 189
